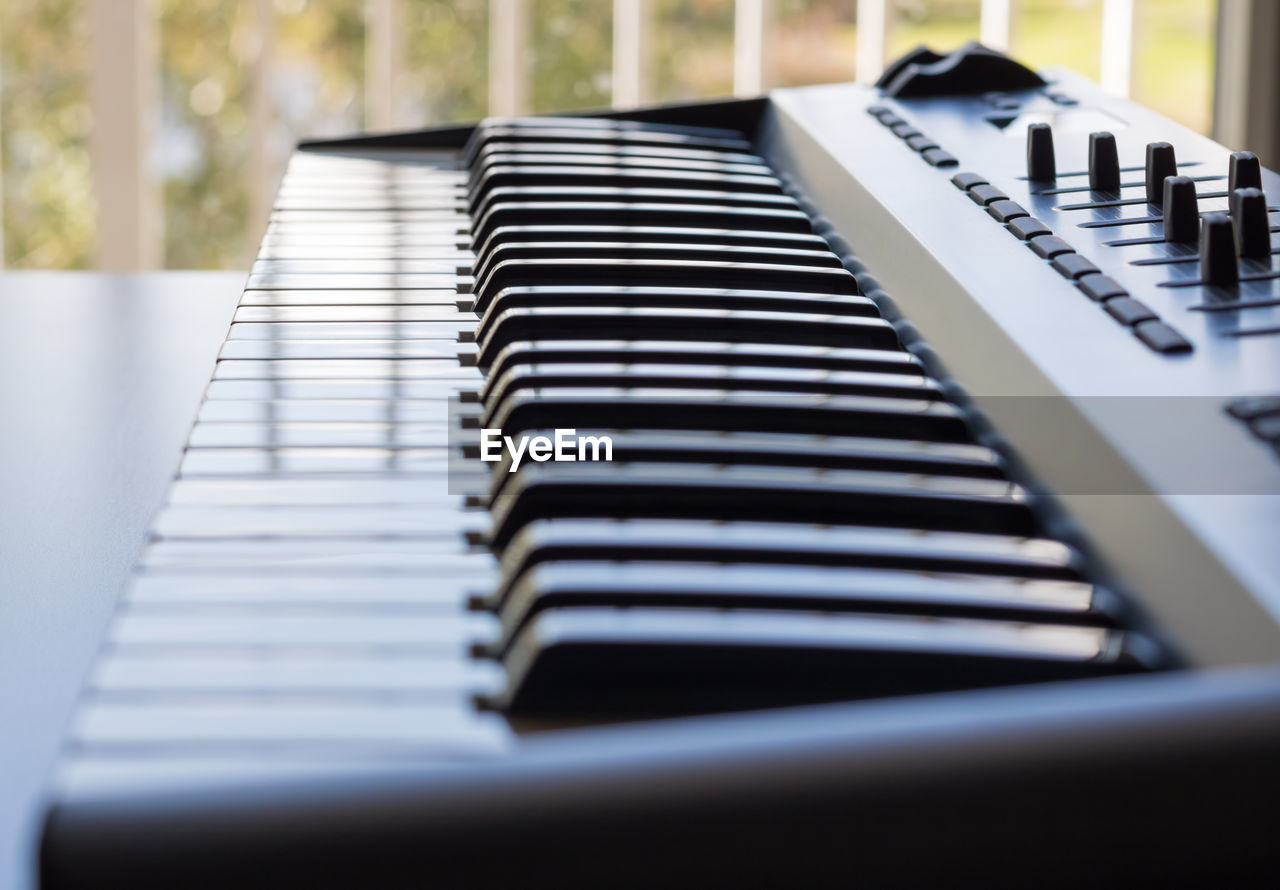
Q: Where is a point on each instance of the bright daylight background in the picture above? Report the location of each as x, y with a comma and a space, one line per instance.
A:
233, 84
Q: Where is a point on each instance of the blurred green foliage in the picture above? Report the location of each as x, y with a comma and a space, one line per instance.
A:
204, 152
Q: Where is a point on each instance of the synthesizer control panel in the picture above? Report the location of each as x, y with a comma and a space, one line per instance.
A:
1102, 282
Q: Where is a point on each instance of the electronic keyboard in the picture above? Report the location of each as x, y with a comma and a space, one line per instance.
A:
868, 485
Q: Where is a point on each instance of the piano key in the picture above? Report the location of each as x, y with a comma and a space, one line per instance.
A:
796, 328
334, 265
310, 521
299, 626
284, 248
324, 369
732, 412
441, 314
290, 557
601, 153
324, 410
523, 196
779, 355
649, 298
711, 237
452, 219
787, 449
498, 177
321, 330
632, 248
312, 435
773, 543
500, 155
547, 379
668, 661
580, 490
452, 728
426, 491
280, 461
656, 214
800, 588
555, 133
444, 592
339, 281
601, 124
443, 297
623, 273
390, 350
136, 672
380, 390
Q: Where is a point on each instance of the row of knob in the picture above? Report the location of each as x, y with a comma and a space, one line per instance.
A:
1242, 232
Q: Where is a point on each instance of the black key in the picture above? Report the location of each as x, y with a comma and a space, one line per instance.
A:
985, 194
966, 181
588, 490
787, 449
1049, 246
1129, 311
548, 379
650, 661
662, 273
556, 585
936, 157
534, 194
773, 355
603, 138
1005, 211
513, 176
720, 410
1100, 287
685, 324
639, 250
1028, 227
743, 166
587, 213
671, 297
1072, 265
592, 152
1161, 337
806, 241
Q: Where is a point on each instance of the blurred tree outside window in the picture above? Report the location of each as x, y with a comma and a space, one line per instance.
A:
236, 92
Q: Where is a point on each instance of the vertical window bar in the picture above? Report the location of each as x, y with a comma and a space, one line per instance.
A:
750, 25
631, 30
996, 24
383, 62
508, 44
1117, 46
873, 39
123, 80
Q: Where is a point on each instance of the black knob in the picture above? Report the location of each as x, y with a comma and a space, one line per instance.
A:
1252, 225
1160, 164
1218, 250
1040, 161
1245, 173
1181, 211
1104, 163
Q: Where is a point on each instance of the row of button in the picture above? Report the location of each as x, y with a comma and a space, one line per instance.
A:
933, 153
1129, 312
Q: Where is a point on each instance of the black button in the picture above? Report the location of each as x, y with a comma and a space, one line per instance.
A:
1252, 224
1006, 210
1104, 163
1161, 164
985, 194
936, 157
966, 181
920, 142
1027, 227
1101, 287
1129, 311
878, 110
889, 119
1181, 210
903, 129
1218, 263
1254, 406
1245, 171
1049, 246
1041, 165
1072, 265
1160, 337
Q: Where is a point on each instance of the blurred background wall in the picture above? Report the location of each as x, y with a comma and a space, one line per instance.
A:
139, 134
